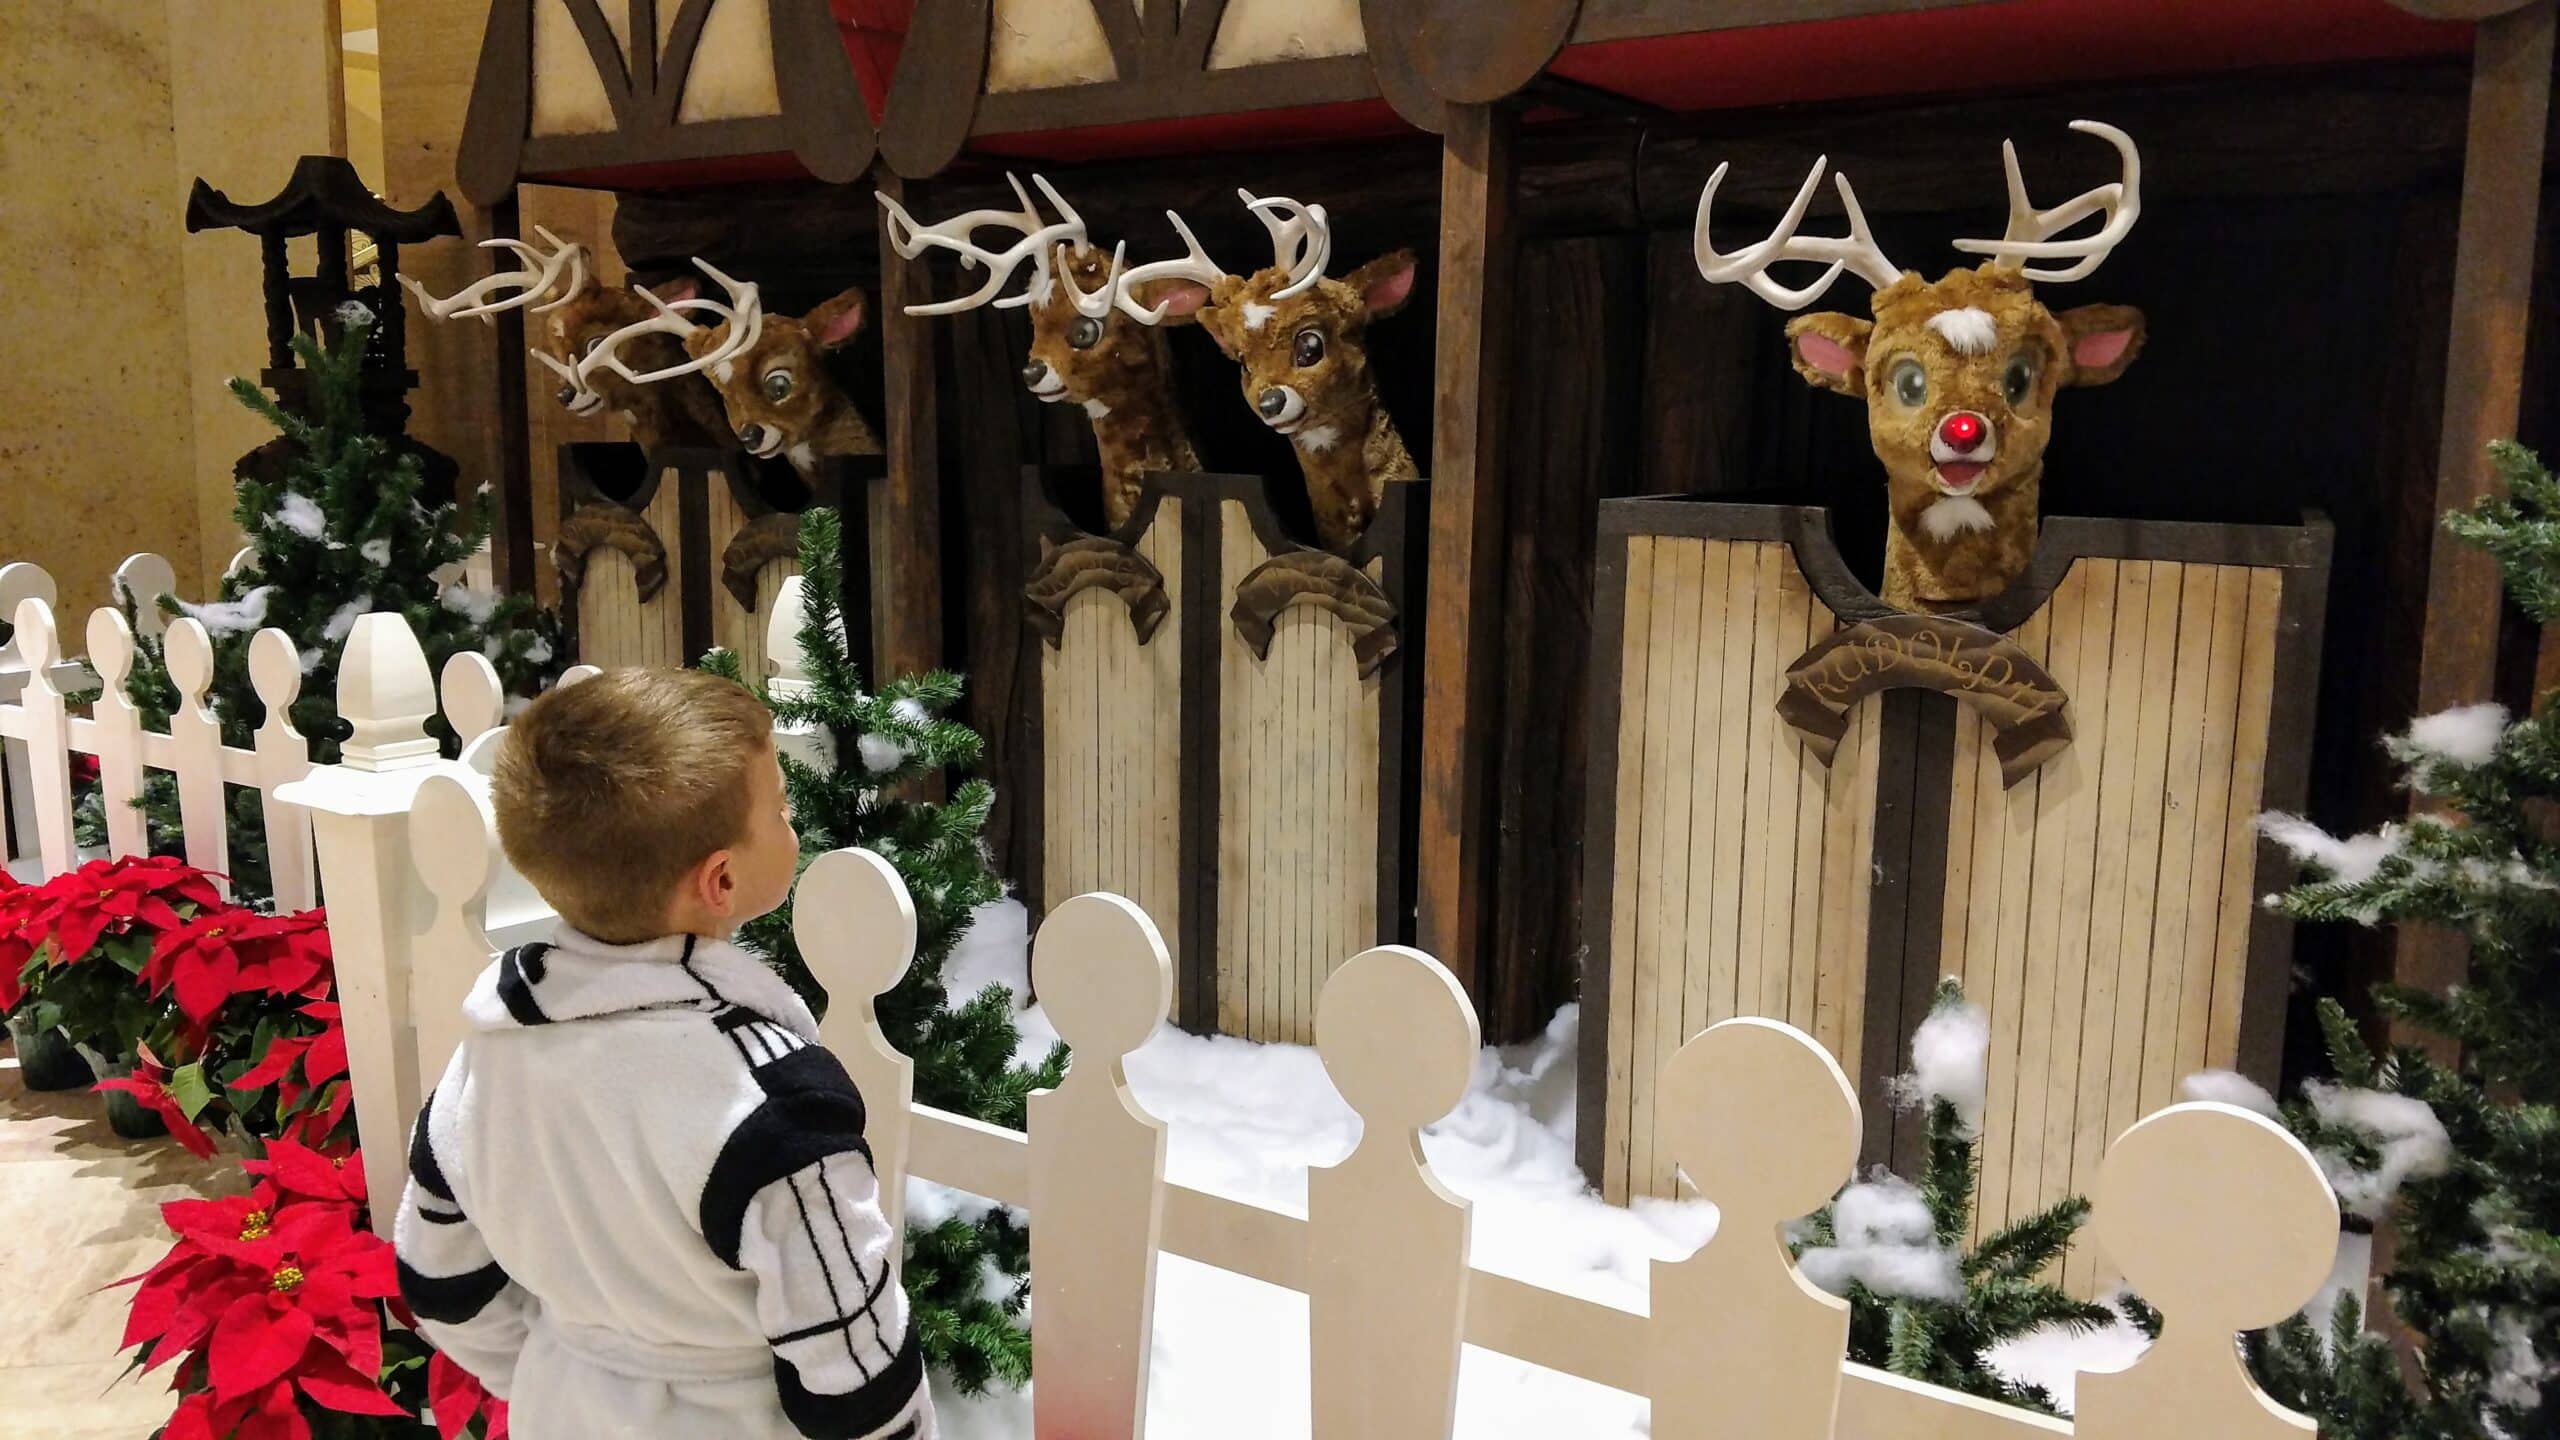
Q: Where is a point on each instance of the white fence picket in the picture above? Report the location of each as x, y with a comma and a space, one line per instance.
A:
195, 749
117, 728
856, 926
44, 723
283, 756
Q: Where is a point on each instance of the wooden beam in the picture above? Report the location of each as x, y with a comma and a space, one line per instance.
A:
2483, 386
1463, 624
906, 545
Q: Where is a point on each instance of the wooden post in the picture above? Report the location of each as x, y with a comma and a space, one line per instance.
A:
906, 545
1465, 591
2483, 379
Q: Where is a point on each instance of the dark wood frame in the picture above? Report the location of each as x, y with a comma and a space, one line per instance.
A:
692, 569
1916, 766
1398, 536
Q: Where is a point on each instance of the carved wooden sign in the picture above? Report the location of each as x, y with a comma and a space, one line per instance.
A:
2016, 696
758, 543
1325, 580
1094, 562
611, 525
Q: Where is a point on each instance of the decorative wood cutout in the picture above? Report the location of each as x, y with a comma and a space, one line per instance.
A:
760, 542
1985, 671
1094, 563
610, 525
1326, 580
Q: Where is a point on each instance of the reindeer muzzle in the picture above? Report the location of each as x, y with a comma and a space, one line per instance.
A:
1043, 382
759, 441
1960, 449
1282, 408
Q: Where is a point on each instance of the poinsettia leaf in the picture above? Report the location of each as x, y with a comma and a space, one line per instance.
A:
327, 1059
188, 1085
257, 1340
336, 1387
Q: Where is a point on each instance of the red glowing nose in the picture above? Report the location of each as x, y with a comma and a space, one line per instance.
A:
1961, 431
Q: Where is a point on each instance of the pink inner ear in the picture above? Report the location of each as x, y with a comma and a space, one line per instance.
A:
841, 328
1389, 291
680, 288
1826, 354
1183, 297
2097, 352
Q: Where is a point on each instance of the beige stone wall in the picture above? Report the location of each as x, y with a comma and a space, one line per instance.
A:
115, 432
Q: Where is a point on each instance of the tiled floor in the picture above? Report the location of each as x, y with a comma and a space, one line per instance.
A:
79, 1209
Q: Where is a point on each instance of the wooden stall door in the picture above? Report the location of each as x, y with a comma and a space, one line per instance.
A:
615, 627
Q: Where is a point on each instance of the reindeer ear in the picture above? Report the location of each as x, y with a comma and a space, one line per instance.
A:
682, 287
836, 321
2104, 339
1385, 284
1830, 350
1181, 299
699, 340
1220, 322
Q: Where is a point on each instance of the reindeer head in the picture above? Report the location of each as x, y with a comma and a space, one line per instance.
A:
1959, 374
779, 397
580, 316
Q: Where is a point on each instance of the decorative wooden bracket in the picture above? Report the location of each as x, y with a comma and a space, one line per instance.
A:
1090, 563
610, 525
1328, 581
758, 543
2004, 684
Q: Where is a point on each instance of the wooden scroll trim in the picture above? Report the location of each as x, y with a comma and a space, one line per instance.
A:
1328, 581
761, 541
1093, 562
2013, 694
610, 525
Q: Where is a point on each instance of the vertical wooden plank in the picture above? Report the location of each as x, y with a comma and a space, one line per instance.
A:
1733, 760
2060, 784
1663, 664
1752, 817
1268, 704
907, 545
2101, 615
1844, 879
2248, 783
1868, 734
2152, 925
1164, 657
2483, 384
1706, 749
1955, 918
1636, 648
1812, 624
2219, 811
1371, 927
1773, 801
1235, 822
1463, 615
1673, 792
2007, 1002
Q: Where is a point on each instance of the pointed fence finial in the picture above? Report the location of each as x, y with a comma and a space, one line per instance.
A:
385, 694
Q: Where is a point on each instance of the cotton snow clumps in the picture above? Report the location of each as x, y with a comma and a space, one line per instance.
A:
2353, 860
2465, 735
471, 602
298, 513
882, 752
2229, 1087
1950, 1061
377, 551
2410, 1137
231, 617
1885, 1239
911, 711
343, 619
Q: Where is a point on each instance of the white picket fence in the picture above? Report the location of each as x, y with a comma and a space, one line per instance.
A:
2214, 1214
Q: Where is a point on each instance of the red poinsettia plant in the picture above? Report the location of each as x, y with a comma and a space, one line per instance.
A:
70, 948
251, 1027
278, 1310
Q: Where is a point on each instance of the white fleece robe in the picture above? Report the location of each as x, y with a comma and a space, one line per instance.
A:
640, 1207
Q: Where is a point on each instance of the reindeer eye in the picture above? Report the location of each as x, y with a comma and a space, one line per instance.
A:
1308, 348
1085, 333
777, 385
590, 347
2018, 382
1910, 383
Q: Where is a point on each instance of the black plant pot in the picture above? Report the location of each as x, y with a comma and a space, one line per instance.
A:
126, 1115
47, 1061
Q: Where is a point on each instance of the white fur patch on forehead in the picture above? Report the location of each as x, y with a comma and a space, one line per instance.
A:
1044, 280
723, 371
1969, 331
1952, 516
1256, 315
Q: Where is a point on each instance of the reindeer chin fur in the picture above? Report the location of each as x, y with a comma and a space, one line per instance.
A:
1947, 518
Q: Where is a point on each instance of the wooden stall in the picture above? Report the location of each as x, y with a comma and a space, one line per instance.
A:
1216, 721
664, 556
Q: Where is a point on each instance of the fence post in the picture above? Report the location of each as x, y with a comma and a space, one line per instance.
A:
1097, 1173
360, 819
48, 736
284, 756
1739, 1342
119, 735
454, 835
195, 735
2223, 1222
19, 581
856, 926
1386, 1242
809, 744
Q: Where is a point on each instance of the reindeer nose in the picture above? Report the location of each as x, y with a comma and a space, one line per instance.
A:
1962, 430
752, 437
568, 394
1271, 403
1032, 373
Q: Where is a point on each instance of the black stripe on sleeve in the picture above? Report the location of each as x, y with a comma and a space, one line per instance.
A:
517, 972
451, 1299
422, 1155
865, 1412
811, 1112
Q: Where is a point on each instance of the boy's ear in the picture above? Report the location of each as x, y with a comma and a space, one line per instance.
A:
711, 885
1830, 350
838, 320
1385, 284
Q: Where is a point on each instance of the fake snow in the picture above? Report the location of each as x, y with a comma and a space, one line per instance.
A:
1886, 1240
344, 618
376, 552
1246, 1120
2352, 860
2228, 1087
911, 712
231, 617
2465, 735
471, 602
1950, 1061
298, 513
882, 752
354, 313
2404, 1128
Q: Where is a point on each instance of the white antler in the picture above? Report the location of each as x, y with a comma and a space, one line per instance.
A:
1301, 239
1856, 250
2031, 230
1193, 265
540, 275
744, 315
579, 390
1038, 238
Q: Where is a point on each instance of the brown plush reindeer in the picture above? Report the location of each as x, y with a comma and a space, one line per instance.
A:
1299, 337
1958, 375
1082, 352
580, 317
767, 369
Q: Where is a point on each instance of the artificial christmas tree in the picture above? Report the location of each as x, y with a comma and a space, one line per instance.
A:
1919, 1305
336, 529
964, 1271
2462, 1157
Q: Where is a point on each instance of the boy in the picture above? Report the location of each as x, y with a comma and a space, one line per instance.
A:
639, 1202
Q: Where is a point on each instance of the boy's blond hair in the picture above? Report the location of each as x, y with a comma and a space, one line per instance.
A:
608, 791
